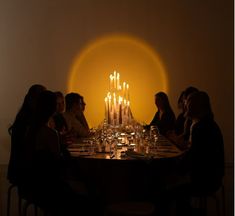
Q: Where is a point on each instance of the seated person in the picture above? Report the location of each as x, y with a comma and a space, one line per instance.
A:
74, 116
18, 129
179, 124
183, 123
58, 123
164, 118
59, 120
44, 175
204, 160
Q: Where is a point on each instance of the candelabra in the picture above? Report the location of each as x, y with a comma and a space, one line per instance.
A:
117, 102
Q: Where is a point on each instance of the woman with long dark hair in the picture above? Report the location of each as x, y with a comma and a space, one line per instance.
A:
18, 129
164, 118
45, 169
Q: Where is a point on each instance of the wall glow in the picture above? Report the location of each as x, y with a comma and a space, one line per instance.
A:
138, 64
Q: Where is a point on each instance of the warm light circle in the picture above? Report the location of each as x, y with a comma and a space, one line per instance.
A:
138, 64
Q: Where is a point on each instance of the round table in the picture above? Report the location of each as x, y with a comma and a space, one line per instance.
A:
133, 175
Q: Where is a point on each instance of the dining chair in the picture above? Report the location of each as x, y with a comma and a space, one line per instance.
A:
27, 201
10, 190
218, 197
26, 206
9, 197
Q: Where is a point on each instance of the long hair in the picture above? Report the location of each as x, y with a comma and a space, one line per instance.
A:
28, 106
164, 101
18, 131
189, 90
201, 105
45, 108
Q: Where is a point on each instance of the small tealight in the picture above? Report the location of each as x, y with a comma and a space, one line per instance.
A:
119, 145
132, 146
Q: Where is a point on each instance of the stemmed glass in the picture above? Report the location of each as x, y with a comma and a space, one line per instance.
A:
110, 138
154, 134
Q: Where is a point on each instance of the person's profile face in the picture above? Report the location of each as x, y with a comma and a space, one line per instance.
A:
76, 108
191, 108
158, 102
181, 103
82, 104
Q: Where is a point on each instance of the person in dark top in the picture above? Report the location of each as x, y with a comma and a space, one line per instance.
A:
17, 131
187, 121
59, 124
183, 123
164, 118
206, 154
59, 121
44, 171
179, 124
204, 160
74, 116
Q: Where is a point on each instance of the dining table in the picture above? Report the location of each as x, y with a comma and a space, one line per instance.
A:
122, 172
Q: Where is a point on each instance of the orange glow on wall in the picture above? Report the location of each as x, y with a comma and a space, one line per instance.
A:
134, 59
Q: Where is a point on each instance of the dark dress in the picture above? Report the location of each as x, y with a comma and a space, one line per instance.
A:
45, 178
179, 124
204, 163
206, 156
60, 122
17, 132
182, 126
165, 123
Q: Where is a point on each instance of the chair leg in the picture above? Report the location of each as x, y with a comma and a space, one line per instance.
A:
203, 206
20, 205
26, 206
9, 198
35, 210
223, 200
24, 210
217, 205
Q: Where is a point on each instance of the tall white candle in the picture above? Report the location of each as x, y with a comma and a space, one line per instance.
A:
110, 82
128, 111
109, 109
114, 108
118, 81
127, 92
114, 101
120, 110
124, 90
115, 80
106, 108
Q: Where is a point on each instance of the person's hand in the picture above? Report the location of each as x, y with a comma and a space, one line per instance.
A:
178, 140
